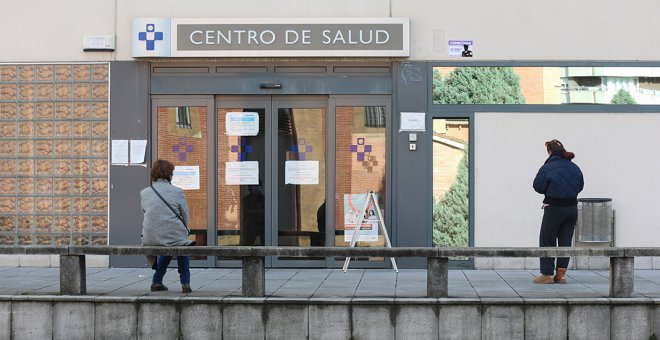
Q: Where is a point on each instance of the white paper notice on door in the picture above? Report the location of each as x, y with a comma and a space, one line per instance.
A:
301, 172
242, 124
186, 177
242, 173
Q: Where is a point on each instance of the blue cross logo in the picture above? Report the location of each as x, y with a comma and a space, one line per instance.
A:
150, 36
302, 149
242, 150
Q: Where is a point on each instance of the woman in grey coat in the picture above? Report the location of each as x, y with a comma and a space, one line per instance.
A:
163, 226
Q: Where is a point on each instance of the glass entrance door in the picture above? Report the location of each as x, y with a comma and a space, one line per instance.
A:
300, 181
241, 170
180, 126
271, 173
277, 170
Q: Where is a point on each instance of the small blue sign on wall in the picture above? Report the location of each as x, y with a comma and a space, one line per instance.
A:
151, 37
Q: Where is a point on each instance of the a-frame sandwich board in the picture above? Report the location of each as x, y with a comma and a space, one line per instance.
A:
360, 217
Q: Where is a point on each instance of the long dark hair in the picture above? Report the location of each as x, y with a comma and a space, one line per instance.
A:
162, 169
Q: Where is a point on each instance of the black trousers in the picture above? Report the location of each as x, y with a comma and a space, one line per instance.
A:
557, 229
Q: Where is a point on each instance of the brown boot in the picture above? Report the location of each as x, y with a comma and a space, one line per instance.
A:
544, 279
560, 277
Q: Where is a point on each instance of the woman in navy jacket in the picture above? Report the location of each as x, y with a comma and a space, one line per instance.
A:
560, 180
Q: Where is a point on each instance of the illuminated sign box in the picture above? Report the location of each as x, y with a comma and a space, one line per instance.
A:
343, 37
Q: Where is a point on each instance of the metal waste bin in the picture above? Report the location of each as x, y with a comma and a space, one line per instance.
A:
595, 220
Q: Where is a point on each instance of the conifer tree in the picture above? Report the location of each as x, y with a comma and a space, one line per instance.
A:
623, 97
480, 85
451, 213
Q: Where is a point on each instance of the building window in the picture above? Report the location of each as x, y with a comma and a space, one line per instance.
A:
183, 118
374, 116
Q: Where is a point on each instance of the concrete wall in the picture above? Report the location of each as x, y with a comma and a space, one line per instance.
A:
31, 317
51, 31
49, 261
511, 30
614, 151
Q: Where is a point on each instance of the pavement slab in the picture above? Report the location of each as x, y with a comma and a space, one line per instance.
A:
306, 283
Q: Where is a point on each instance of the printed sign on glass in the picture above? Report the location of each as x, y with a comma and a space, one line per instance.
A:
301, 172
186, 177
242, 124
242, 173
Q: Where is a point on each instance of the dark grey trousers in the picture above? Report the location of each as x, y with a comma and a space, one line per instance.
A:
557, 229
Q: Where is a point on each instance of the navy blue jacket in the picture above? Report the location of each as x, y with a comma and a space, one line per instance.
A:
560, 180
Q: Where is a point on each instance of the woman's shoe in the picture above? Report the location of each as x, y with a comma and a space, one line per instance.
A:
560, 277
186, 289
158, 287
544, 279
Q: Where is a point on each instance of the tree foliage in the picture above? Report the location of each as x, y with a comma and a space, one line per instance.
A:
451, 213
437, 85
623, 97
478, 85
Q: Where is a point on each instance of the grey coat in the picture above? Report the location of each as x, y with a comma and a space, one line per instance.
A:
161, 227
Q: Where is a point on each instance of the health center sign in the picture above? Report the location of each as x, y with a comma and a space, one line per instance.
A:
295, 37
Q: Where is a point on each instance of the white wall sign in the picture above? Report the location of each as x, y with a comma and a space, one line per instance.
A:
242, 123
242, 173
413, 121
301, 172
186, 177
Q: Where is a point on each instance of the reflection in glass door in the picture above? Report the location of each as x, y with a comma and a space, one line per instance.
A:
451, 187
266, 181
270, 171
241, 172
361, 154
180, 124
301, 146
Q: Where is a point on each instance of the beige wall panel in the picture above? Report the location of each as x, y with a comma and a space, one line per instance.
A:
534, 30
512, 30
52, 31
615, 152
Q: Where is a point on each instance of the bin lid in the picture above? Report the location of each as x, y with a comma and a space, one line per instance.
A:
594, 200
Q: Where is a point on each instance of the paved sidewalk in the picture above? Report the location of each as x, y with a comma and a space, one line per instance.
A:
331, 283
